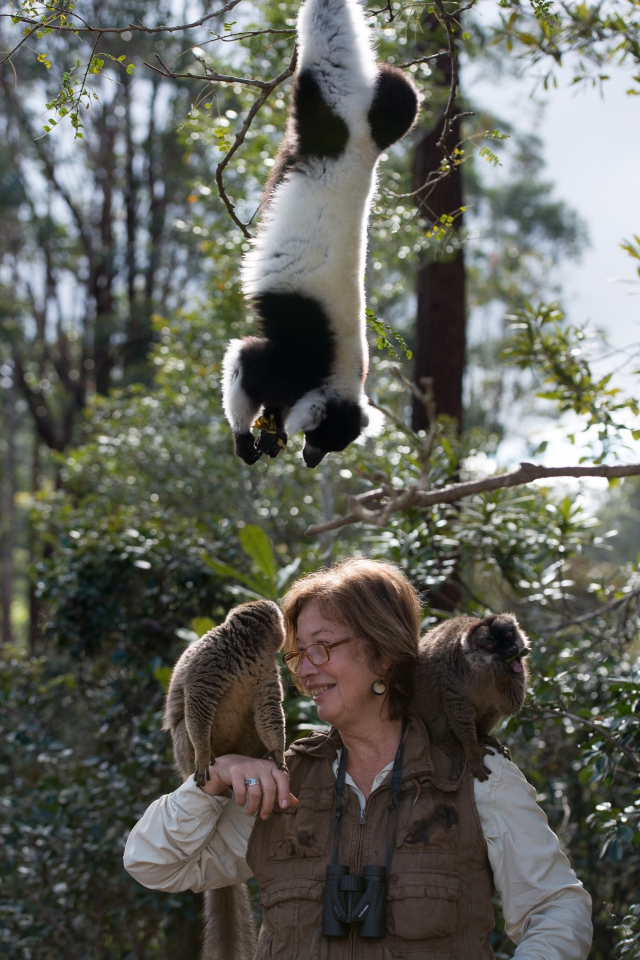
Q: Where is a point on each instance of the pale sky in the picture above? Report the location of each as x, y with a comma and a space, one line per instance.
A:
592, 154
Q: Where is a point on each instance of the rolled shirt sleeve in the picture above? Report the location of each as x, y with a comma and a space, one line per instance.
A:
188, 840
546, 909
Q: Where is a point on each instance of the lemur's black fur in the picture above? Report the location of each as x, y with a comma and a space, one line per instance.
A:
305, 273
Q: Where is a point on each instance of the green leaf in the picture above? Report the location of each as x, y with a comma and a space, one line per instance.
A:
255, 543
202, 625
130, 68
163, 676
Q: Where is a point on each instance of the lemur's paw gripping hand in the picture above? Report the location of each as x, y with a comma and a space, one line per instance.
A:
278, 758
202, 772
245, 448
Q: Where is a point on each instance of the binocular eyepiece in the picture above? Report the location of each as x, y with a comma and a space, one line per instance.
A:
351, 899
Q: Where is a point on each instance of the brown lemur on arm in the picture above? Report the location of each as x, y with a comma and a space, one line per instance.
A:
469, 676
225, 696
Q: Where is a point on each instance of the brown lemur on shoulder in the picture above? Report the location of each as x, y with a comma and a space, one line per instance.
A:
469, 676
225, 696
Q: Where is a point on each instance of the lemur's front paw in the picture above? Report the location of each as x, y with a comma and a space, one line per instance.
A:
245, 448
202, 772
278, 758
271, 443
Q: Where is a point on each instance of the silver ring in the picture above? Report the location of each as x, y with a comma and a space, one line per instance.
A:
252, 782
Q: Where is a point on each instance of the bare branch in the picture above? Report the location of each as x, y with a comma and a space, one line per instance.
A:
131, 28
266, 88
415, 496
240, 136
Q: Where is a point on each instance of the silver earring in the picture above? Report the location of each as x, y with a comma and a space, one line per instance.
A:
379, 687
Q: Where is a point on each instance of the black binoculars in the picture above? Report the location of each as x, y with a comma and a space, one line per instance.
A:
350, 899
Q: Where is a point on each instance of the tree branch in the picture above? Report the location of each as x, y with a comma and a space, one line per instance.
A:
130, 28
415, 496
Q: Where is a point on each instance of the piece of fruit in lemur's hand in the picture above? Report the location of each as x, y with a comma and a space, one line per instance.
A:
225, 694
470, 675
304, 276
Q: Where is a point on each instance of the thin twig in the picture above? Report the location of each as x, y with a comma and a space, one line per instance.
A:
598, 612
596, 728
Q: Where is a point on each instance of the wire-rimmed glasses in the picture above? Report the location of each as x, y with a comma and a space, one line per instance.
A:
318, 653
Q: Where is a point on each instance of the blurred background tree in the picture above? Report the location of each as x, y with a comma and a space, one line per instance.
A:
128, 528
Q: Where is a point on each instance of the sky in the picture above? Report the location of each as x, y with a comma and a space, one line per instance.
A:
592, 154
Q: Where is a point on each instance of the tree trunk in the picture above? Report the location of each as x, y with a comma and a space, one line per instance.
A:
440, 341
34, 603
8, 511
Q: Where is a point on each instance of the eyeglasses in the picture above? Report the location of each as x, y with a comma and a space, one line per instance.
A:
318, 653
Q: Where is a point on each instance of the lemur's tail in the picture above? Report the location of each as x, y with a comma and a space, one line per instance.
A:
229, 924
336, 44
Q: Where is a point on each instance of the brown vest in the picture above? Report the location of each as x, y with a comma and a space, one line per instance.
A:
440, 889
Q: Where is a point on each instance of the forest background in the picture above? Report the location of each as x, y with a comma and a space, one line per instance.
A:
128, 528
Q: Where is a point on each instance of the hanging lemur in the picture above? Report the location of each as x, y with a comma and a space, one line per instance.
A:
304, 276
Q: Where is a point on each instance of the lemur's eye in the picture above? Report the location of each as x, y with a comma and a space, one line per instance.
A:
509, 633
490, 646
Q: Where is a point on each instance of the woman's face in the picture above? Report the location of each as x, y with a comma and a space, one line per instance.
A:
340, 688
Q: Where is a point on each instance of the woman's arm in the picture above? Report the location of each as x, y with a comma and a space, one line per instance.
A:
195, 839
546, 909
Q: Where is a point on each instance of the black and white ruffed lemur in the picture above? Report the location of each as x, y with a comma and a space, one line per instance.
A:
304, 275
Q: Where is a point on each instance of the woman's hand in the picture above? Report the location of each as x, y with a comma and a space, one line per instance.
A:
232, 770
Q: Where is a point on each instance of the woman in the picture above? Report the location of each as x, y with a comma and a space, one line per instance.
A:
352, 635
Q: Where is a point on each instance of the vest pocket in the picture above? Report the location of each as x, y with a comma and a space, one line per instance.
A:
290, 907
423, 905
302, 832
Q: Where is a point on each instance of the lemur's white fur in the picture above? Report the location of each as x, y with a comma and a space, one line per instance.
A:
238, 408
313, 235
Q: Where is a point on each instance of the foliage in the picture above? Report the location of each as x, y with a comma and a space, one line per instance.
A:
557, 351
144, 529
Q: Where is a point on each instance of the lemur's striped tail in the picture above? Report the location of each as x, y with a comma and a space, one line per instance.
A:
229, 924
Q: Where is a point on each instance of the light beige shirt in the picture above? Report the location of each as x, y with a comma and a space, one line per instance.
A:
188, 840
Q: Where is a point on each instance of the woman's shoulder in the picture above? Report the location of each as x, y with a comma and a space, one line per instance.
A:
303, 755
506, 801
319, 744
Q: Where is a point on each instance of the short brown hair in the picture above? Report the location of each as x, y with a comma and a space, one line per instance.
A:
375, 602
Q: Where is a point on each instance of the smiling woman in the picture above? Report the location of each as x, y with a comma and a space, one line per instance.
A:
373, 603
366, 848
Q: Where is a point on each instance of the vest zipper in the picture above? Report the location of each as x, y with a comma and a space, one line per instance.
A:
362, 819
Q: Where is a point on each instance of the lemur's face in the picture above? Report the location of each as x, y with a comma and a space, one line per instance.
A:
343, 423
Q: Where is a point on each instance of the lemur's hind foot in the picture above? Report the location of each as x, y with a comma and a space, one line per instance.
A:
246, 449
492, 742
